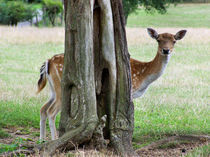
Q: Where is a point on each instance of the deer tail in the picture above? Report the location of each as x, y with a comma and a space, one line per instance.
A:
43, 77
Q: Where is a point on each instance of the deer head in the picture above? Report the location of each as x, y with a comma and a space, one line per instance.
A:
166, 41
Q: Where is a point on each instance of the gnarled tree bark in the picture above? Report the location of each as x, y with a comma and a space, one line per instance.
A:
96, 83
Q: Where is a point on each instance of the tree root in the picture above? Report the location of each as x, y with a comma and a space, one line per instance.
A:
98, 142
68, 141
201, 138
72, 138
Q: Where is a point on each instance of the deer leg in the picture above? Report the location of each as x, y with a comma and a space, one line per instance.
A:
43, 117
52, 112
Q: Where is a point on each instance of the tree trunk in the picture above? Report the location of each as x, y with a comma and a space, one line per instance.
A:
96, 84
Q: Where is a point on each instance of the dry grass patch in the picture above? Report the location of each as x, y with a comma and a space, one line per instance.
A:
30, 35
135, 36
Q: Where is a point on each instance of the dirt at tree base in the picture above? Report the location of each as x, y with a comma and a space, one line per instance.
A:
168, 149
173, 150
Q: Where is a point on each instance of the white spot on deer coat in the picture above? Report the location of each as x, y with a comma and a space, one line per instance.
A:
143, 69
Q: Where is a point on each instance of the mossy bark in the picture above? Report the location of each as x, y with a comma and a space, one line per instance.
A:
78, 83
96, 80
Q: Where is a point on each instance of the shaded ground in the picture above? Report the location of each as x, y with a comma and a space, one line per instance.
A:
29, 136
171, 146
174, 149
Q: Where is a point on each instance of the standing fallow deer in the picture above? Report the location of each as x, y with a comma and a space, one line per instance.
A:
142, 73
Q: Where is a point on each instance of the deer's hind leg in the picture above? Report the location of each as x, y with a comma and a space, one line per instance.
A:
43, 117
52, 112
45, 108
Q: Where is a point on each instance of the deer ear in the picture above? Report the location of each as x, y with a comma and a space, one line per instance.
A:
152, 33
179, 35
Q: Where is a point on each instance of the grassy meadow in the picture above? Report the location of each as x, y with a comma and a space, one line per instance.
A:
177, 103
182, 15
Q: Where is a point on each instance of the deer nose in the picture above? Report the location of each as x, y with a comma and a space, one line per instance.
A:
166, 51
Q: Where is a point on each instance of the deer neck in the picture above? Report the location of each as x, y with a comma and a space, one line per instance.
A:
158, 65
151, 71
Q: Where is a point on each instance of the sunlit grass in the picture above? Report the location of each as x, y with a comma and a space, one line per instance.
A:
182, 15
203, 151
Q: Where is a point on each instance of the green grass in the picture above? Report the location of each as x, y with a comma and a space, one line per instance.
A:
6, 147
203, 151
19, 114
11, 147
194, 15
19, 106
3, 134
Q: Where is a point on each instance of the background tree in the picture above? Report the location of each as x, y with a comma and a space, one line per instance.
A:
96, 83
12, 12
51, 9
33, 1
130, 6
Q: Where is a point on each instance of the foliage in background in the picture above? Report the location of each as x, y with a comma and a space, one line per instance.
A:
12, 12
149, 5
196, 1
51, 9
33, 1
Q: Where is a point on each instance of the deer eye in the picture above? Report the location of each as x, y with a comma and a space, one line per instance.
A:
174, 42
